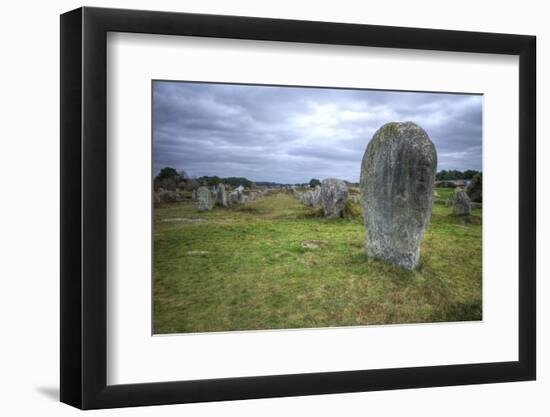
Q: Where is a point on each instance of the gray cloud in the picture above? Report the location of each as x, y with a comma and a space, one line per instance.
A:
291, 134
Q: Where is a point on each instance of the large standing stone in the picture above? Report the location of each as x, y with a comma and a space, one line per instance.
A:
334, 194
221, 196
204, 199
462, 205
397, 180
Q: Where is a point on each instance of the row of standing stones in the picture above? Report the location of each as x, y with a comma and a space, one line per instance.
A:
332, 195
397, 191
218, 196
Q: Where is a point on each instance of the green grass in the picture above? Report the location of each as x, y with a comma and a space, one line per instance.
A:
246, 267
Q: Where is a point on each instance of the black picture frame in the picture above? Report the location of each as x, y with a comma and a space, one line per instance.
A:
84, 207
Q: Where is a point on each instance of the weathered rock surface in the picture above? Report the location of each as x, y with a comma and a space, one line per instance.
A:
397, 183
204, 199
462, 205
334, 194
221, 196
307, 198
316, 195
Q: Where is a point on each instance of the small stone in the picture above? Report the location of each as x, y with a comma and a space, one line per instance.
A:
462, 205
183, 219
169, 196
314, 244
198, 252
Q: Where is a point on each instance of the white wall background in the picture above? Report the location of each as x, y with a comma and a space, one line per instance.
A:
29, 219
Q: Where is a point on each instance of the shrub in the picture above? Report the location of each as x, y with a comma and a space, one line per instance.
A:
352, 211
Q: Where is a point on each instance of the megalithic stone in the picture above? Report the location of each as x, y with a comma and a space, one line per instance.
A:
334, 194
205, 201
462, 205
397, 183
221, 196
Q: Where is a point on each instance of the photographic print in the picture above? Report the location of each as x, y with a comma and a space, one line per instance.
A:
286, 207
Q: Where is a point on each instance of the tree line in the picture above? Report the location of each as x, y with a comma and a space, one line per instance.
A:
170, 179
449, 175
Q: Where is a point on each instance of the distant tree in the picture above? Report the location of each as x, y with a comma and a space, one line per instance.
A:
314, 182
170, 179
470, 173
233, 181
209, 181
450, 175
168, 172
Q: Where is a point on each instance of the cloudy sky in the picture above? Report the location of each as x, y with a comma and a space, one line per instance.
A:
290, 135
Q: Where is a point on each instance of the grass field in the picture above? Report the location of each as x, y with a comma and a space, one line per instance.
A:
274, 264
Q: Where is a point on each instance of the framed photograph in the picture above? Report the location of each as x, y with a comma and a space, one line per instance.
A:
259, 208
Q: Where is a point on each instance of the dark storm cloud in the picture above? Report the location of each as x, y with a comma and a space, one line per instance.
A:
290, 135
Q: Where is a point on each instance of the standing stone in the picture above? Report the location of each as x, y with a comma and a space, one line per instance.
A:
204, 199
307, 198
170, 196
462, 205
334, 194
253, 195
194, 195
475, 189
221, 196
397, 182
317, 195
233, 197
